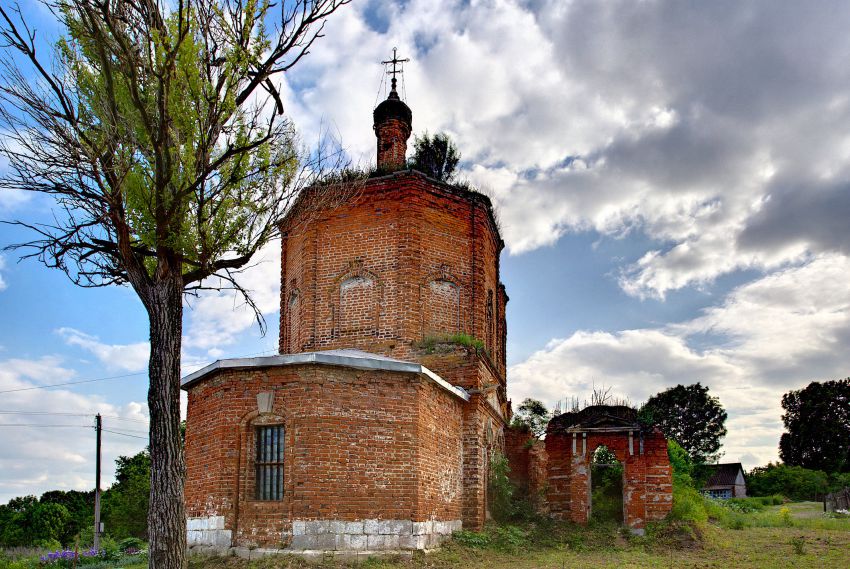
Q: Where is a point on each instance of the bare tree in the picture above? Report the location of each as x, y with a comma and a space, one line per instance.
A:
158, 129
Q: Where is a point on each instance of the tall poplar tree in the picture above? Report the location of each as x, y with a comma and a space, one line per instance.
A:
157, 129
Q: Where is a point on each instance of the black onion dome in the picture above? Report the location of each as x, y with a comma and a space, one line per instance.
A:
393, 108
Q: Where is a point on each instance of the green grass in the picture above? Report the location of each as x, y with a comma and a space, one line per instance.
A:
805, 545
763, 540
432, 344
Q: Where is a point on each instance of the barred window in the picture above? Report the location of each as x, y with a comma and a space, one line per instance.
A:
269, 463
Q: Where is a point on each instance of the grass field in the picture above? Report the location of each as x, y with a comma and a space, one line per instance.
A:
811, 542
765, 541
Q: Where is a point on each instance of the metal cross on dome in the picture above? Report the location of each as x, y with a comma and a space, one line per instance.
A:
396, 67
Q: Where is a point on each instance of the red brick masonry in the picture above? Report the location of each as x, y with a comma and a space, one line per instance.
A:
572, 438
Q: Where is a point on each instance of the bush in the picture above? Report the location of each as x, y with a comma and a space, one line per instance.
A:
509, 538
688, 504
794, 482
745, 505
474, 539
501, 489
130, 544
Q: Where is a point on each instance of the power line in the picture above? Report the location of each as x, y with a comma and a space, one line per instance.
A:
53, 413
46, 413
124, 434
42, 425
81, 381
73, 382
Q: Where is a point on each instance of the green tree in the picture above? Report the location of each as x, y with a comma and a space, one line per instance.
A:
14, 522
125, 504
80, 506
817, 424
532, 414
48, 522
793, 482
435, 156
158, 130
25, 521
691, 417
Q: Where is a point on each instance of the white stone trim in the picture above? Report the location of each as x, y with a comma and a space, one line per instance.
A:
369, 535
208, 531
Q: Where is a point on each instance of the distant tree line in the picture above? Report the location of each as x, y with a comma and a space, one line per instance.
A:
67, 516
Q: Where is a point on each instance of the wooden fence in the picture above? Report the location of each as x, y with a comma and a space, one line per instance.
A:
837, 501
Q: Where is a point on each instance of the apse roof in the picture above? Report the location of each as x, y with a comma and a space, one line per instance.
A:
350, 358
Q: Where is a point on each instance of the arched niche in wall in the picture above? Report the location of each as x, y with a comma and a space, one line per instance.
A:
441, 294
292, 319
355, 298
490, 323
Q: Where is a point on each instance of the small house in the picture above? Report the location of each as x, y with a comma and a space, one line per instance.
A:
725, 481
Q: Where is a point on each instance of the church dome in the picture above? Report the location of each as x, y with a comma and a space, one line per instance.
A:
393, 108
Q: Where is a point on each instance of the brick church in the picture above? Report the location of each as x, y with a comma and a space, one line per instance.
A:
374, 427
370, 430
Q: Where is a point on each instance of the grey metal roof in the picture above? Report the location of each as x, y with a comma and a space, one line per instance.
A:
723, 475
357, 359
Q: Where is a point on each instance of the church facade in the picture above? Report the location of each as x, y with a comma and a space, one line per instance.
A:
374, 426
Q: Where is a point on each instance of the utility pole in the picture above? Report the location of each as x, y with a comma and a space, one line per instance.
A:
98, 427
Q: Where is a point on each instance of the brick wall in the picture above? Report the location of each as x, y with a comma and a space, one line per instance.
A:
647, 482
518, 441
404, 258
359, 446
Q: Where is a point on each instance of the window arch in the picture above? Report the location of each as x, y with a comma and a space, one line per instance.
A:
355, 298
441, 303
292, 320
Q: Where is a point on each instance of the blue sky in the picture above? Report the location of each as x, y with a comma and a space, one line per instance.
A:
672, 181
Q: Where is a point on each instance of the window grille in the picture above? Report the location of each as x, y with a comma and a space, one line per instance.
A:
269, 463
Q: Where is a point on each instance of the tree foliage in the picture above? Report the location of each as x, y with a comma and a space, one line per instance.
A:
691, 417
436, 156
80, 506
817, 424
794, 482
26, 521
125, 504
532, 414
64, 516
159, 131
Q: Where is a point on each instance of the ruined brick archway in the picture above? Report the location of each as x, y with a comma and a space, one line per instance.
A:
571, 439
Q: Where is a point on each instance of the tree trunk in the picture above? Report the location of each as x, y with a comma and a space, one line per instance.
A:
167, 514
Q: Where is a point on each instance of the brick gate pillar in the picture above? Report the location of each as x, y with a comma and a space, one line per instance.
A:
634, 493
580, 478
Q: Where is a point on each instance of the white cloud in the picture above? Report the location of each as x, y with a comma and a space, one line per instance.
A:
705, 126
34, 459
217, 319
775, 334
124, 357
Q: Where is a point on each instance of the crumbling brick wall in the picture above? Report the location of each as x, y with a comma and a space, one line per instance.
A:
404, 258
647, 481
572, 438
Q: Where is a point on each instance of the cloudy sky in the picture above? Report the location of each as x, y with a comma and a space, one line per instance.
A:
673, 180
